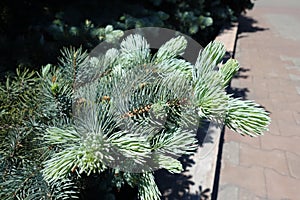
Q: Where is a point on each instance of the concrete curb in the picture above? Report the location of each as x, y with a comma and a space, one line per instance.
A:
228, 37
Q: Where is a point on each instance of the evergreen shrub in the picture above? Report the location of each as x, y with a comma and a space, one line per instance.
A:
56, 131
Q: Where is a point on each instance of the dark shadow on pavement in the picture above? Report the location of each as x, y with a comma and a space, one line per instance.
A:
238, 92
247, 25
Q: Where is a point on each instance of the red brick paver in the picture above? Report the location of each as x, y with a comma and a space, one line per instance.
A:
268, 49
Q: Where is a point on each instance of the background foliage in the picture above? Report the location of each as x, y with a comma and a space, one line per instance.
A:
33, 31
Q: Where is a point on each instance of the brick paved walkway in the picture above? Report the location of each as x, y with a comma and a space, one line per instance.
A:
268, 48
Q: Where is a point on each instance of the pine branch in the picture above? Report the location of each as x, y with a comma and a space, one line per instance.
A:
211, 96
134, 51
171, 49
247, 117
147, 187
228, 70
208, 59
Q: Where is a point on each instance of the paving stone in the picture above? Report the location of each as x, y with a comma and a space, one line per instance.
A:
227, 192
292, 67
261, 94
273, 74
291, 144
231, 152
251, 178
296, 74
274, 159
294, 77
298, 89
261, 83
273, 4
279, 104
295, 106
295, 61
294, 164
297, 117
285, 25
281, 187
266, 103
244, 194
278, 96
232, 136
260, 90
273, 127
292, 98
289, 127
285, 115
286, 82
